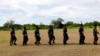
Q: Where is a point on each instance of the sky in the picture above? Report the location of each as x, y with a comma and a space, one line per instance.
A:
44, 11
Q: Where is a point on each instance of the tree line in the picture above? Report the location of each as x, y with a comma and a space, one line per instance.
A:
58, 23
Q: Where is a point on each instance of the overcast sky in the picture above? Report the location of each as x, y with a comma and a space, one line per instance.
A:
43, 11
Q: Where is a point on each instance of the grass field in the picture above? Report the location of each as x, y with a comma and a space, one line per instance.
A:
72, 49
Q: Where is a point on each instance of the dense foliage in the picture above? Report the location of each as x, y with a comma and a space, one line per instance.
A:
56, 23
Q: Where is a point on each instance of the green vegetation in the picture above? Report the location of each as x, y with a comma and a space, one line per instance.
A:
56, 23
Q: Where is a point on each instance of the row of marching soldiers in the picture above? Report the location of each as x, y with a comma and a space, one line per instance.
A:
52, 37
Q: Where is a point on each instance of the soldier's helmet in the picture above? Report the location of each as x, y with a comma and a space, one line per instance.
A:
95, 24
50, 26
12, 28
25, 28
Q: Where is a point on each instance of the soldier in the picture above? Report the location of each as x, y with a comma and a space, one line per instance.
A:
37, 36
25, 37
81, 33
95, 32
51, 35
65, 35
13, 37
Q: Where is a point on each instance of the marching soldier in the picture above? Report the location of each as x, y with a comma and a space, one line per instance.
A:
13, 37
37, 36
25, 36
81, 33
65, 35
95, 32
51, 35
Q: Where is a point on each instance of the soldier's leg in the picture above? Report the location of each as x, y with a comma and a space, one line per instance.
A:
64, 42
23, 40
11, 41
26, 40
67, 38
50, 39
36, 40
53, 39
96, 40
15, 39
83, 39
80, 40
39, 40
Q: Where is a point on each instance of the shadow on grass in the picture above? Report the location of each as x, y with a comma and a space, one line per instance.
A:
57, 44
